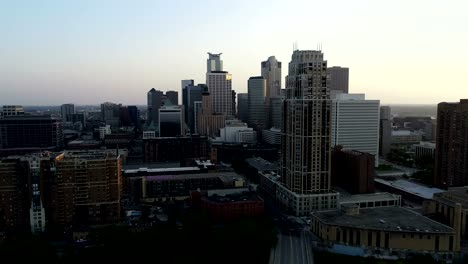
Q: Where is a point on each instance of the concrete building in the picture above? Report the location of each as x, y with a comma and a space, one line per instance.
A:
355, 123
385, 131
243, 107
405, 137
384, 232
110, 114
171, 121
12, 110
353, 170
371, 200
173, 96
256, 102
20, 134
208, 122
272, 136
236, 131
338, 79
214, 62
443, 205
424, 149
451, 167
154, 100
190, 94
103, 131
409, 190
306, 143
65, 110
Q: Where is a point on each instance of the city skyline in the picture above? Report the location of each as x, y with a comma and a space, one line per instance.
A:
93, 52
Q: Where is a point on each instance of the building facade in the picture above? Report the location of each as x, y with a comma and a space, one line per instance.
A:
25, 133
451, 167
154, 100
385, 131
65, 110
271, 72
338, 79
175, 149
214, 62
256, 102
243, 107
173, 96
424, 149
190, 94
171, 121
110, 114
12, 110
219, 86
355, 123
208, 122
275, 115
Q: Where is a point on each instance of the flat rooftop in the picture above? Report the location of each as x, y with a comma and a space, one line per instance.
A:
453, 196
411, 187
382, 196
384, 218
261, 164
224, 176
232, 198
159, 170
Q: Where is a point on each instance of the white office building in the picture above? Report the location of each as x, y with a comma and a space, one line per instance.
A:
355, 123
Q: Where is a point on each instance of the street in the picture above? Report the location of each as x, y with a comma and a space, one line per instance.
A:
293, 247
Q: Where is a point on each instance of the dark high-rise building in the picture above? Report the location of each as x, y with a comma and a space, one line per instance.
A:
385, 131
173, 96
338, 79
110, 114
67, 109
352, 170
191, 94
77, 118
451, 167
276, 103
134, 114
26, 133
234, 107
171, 121
243, 107
154, 102
256, 103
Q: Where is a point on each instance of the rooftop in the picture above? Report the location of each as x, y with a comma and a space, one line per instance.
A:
156, 170
261, 164
224, 176
453, 196
236, 197
382, 196
384, 218
411, 187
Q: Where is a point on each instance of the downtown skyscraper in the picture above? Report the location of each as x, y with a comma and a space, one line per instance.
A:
271, 72
306, 135
219, 85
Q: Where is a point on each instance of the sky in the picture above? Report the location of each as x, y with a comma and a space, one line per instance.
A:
94, 51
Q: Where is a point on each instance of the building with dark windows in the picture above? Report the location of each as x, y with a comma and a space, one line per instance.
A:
257, 88
353, 170
154, 98
134, 115
27, 133
338, 79
271, 72
243, 107
173, 96
191, 94
171, 121
110, 114
175, 149
451, 167
385, 131
65, 110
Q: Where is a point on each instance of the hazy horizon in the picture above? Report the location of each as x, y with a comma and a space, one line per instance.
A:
89, 52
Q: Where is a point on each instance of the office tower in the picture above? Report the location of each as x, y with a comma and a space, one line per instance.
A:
209, 122
26, 133
171, 121
214, 62
306, 152
88, 188
256, 102
14, 208
154, 102
77, 118
237, 131
190, 94
276, 104
271, 72
385, 131
134, 114
353, 170
12, 110
243, 107
65, 110
173, 96
451, 166
110, 114
197, 111
171, 149
185, 83
233, 104
219, 86
338, 79
355, 123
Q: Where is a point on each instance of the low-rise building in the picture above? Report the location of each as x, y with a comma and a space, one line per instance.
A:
405, 137
408, 189
424, 149
371, 200
383, 232
272, 136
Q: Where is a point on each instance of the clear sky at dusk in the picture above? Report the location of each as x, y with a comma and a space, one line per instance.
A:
88, 52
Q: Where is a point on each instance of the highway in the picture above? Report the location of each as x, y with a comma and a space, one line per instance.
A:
293, 247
